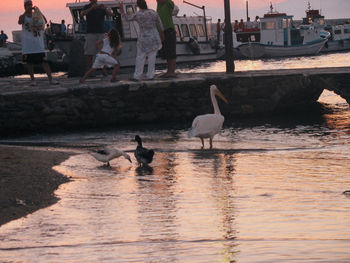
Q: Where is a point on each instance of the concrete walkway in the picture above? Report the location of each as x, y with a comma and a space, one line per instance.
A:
15, 84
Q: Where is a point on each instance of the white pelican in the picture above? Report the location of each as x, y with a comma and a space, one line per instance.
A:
143, 155
109, 153
207, 125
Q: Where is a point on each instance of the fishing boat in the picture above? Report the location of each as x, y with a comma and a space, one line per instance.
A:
194, 39
339, 38
280, 38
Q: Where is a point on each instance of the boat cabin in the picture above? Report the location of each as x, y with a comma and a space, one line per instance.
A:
313, 16
339, 32
276, 29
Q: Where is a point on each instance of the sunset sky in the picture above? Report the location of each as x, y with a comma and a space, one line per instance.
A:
56, 10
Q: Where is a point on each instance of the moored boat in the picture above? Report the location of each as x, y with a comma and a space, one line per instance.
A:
339, 38
280, 38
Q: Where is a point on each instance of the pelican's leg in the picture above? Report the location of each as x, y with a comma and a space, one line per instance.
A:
211, 142
202, 140
108, 164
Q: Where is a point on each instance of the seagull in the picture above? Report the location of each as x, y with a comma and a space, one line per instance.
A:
143, 155
207, 125
109, 153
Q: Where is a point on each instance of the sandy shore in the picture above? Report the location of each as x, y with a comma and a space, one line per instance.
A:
27, 180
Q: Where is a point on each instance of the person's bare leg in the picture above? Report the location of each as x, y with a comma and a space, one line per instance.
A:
171, 64
114, 73
89, 60
30, 68
104, 71
87, 74
47, 69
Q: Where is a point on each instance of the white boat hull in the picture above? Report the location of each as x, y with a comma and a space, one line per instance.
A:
257, 50
336, 45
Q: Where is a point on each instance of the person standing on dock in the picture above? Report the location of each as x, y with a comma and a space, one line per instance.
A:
3, 38
95, 17
33, 47
165, 10
149, 40
63, 28
218, 29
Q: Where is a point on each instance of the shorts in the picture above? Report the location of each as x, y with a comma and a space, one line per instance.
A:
169, 44
102, 60
91, 39
35, 58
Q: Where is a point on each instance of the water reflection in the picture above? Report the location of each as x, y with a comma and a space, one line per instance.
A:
341, 59
268, 192
338, 115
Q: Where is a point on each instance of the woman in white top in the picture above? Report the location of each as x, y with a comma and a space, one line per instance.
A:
33, 48
107, 55
149, 40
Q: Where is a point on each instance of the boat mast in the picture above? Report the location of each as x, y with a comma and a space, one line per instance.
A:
205, 20
246, 6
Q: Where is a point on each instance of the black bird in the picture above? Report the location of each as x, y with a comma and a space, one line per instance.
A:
347, 193
143, 155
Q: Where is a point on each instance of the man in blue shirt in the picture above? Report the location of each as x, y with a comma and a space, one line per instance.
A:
3, 38
63, 28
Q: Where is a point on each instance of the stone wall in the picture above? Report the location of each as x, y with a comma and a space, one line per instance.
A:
101, 103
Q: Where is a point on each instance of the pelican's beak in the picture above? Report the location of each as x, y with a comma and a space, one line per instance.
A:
221, 96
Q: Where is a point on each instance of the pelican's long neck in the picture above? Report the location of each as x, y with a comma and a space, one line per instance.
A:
215, 103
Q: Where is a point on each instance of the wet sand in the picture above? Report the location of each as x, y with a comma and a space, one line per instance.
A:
27, 180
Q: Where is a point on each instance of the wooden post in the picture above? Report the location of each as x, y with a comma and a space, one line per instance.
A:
230, 65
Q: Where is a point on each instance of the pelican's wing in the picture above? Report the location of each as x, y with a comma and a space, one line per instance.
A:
206, 125
192, 131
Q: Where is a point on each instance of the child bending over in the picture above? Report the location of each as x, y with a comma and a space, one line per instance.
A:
107, 55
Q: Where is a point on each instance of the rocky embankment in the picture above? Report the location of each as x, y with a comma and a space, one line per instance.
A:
101, 103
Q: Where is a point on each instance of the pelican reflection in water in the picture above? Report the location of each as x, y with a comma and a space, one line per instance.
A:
207, 125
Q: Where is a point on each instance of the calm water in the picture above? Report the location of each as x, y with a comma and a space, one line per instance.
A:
270, 191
